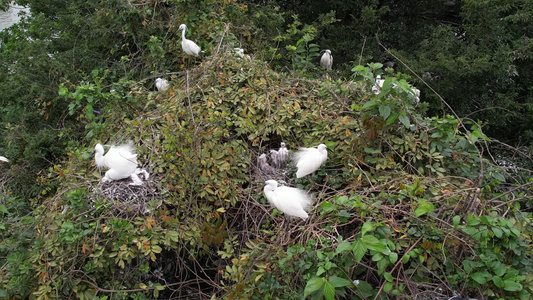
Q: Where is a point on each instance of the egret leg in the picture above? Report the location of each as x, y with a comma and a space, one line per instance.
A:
136, 180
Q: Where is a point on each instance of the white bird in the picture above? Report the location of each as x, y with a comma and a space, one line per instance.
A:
121, 162
416, 92
379, 82
326, 60
274, 156
309, 160
161, 84
4, 159
377, 88
291, 201
263, 165
283, 154
188, 46
239, 52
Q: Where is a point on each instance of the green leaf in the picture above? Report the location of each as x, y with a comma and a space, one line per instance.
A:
373, 243
370, 104
479, 278
3, 209
497, 232
392, 118
343, 246
498, 176
387, 287
393, 257
173, 235
339, 282
424, 207
314, 284
405, 120
327, 206
511, 286
359, 250
372, 151
328, 290
367, 226
497, 281
384, 111
388, 276
456, 220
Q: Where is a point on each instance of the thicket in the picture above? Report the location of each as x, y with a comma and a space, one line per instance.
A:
408, 205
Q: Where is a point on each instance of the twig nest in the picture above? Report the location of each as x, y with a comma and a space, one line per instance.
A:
127, 200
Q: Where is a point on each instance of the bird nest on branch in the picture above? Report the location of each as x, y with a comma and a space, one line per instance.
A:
128, 200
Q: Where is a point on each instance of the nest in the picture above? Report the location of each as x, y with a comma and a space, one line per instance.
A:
128, 200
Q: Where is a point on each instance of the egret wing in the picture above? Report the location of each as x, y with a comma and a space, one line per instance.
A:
291, 201
307, 160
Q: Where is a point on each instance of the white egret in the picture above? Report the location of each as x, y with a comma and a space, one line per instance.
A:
308, 160
377, 88
188, 46
4, 159
283, 153
274, 156
291, 201
239, 52
263, 165
326, 60
121, 162
161, 84
379, 85
279, 157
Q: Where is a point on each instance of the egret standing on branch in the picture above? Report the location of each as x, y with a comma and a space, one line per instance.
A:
308, 160
292, 202
188, 46
326, 60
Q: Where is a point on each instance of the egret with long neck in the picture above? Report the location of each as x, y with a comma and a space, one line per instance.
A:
188, 46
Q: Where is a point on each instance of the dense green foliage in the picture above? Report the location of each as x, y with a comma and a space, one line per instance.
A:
410, 202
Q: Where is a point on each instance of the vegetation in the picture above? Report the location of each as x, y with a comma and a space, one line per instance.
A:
416, 199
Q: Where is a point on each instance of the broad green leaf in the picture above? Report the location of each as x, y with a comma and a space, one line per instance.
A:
384, 111
511, 286
456, 220
314, 284
359, 250
373, 243
387, 287
328, 290
327, 206
339, 282
343, 246
370, 104
479, 278
497, 232
392, 118
498, 176
404, 120
367, 226
173, 235
424, 207
393, 257
372, 151
497, 281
